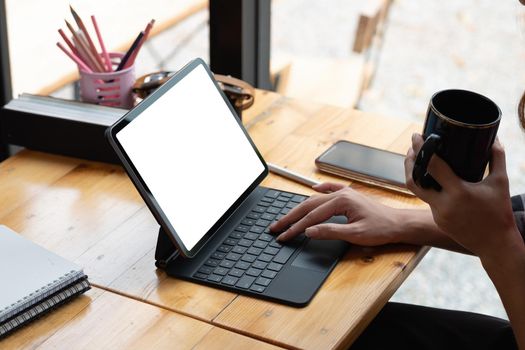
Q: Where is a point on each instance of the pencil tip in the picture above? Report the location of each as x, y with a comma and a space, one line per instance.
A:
73, 12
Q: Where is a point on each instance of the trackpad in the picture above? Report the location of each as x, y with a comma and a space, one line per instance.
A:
318, 255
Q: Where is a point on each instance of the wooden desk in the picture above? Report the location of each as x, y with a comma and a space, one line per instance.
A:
90, 213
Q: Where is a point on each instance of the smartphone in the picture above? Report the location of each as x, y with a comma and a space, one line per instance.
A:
366, 164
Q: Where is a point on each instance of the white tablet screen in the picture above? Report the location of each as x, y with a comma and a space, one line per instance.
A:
192, 155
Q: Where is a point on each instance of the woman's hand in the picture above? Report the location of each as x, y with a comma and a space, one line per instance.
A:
478, 216
369, 222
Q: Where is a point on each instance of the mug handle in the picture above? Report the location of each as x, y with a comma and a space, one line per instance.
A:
420, 172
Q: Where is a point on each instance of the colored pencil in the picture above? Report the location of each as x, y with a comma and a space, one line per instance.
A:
91, 46
75, 58
82, 54
68, 42
109, 68
128, 54
131, 60
84, 50
100, 66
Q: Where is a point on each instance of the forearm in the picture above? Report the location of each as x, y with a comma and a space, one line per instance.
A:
418, 227
507, 272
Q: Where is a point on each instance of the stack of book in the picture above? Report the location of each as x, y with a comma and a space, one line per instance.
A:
59, 126
34, 281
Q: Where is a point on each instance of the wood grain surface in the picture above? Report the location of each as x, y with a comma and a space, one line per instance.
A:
91, 214
104, 320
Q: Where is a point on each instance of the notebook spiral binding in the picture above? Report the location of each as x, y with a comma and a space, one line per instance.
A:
40, 309
39, 294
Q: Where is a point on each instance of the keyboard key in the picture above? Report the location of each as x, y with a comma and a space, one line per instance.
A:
259, 209
239, 249
220, 271
242, 228
264, 204
269, 274
285, 211
201, 276
297, 198
236, 235
275, 267
271, 250
273, 210
291, 205
262, 222
272, 194
248, 258
212, 262
237, 272
257, 288
283, 198
206, 270
257, 229
263, 281
279, 204
267, 199
214, 278
243, 265
233, 256
227, 264
265, 257
276, 244
253, 272
248, 222
218, 255
260, 244
254, 215
229, 280
245, 243
251, 235
245, 282
267, 216
230, 241
254, 251
284, 254
259, 264
224, 248
286, 195
265, 237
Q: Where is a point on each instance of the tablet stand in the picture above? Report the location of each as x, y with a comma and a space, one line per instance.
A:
165, 252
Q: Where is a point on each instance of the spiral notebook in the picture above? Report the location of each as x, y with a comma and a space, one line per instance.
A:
34, 280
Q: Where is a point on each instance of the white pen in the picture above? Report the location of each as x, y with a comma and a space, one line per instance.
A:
292, 175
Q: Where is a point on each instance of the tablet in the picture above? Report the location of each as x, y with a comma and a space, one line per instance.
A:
188, 155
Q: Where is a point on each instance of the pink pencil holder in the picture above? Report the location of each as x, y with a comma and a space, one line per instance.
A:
112, 89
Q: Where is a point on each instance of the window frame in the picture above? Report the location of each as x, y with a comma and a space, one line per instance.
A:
239, 46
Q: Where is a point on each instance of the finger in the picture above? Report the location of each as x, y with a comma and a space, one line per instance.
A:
328, 187
410, 159
319, 214
298, 212
417, 142
330, 231
497, 163
425, 195
443, 174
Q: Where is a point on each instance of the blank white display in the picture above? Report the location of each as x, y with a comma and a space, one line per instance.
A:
192, 155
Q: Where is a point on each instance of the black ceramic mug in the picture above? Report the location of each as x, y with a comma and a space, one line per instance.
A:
460, 127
